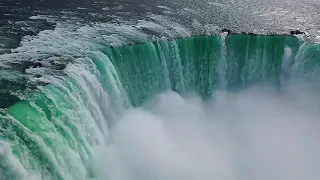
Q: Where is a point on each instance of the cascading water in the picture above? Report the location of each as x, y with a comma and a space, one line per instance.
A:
147, 100
55, 130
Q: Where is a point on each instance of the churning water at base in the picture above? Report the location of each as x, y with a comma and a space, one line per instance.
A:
258, 133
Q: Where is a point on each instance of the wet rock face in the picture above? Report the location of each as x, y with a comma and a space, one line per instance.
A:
296, 32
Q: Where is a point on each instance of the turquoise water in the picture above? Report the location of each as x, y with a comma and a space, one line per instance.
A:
56, 131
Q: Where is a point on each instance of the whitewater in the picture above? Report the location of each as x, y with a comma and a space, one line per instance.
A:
164, 90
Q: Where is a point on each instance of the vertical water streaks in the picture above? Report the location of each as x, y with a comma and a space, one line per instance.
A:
56, 129
183, 65
10, 165
222, 65
199, 64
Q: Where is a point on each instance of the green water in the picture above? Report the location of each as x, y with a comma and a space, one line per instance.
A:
54, 133
199, 64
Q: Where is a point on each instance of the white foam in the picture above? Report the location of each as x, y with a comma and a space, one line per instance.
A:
9, 164
287, 59
256, 134
164, 7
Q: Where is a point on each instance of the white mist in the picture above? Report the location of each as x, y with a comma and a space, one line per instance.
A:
257, 134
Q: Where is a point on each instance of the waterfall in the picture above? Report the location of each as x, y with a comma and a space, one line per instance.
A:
55, 131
